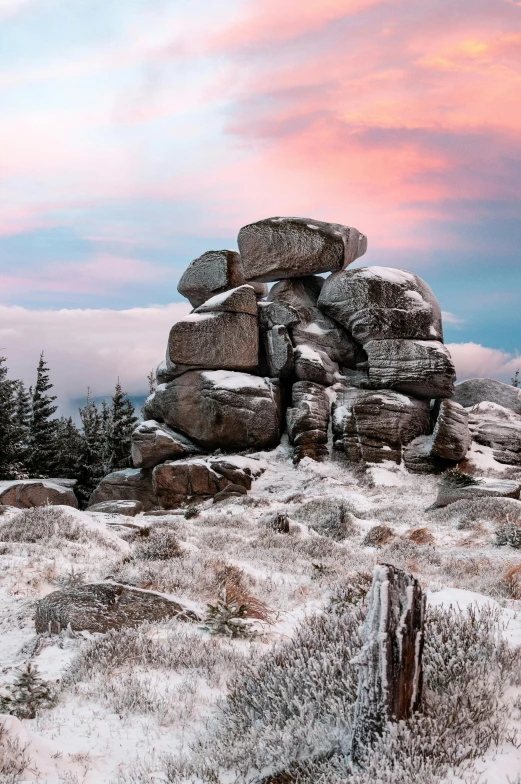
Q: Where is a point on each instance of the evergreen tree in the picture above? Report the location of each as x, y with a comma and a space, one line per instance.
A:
122, 424
92, 465
9, 436
69, 447
42, 456
22, 417
515, 381
28, 694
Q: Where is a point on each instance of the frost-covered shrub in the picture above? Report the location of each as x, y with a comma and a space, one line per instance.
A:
328, 516
290, 711
161, 545
14, 759
377, 536
509, 534
44, 523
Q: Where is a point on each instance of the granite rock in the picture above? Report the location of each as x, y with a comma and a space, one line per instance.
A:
220, 409
453, 488
277, 248
26, 493
153, 443
378, 303
308, 421
477, 390
130, 484
278, 351
451, 437
373, 426
422, 368
212, 273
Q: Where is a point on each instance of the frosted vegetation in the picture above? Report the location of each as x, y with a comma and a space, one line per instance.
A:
262, 688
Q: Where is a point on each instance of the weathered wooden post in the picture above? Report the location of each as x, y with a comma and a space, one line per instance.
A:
390, 679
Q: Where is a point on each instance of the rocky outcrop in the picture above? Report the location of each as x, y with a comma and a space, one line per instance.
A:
458, 487
477, 390
100, 607
373, 426
314, 328
212, 273
277, 248
220, 409
499, 428
274, 314
26, 493
221, 334
131, 484
308, 421
188, 481
379, 303
422, 368
153, 443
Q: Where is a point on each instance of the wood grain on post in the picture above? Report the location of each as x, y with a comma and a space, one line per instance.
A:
390, 679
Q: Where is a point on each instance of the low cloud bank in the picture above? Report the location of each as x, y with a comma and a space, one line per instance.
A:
93, 348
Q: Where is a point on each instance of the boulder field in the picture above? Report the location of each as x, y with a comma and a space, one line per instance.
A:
358, 353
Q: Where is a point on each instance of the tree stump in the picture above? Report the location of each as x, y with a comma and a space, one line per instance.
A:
390, 679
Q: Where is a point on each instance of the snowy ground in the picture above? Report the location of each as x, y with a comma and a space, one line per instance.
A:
109, 718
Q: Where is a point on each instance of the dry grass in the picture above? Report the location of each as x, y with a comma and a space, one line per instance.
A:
419, 536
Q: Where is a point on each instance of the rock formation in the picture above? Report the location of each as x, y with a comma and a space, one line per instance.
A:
363, 347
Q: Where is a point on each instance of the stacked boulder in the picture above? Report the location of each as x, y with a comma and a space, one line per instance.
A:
365, 345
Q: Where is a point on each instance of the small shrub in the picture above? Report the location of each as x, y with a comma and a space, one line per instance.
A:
508, 534
27, 695
71, 579
378, 536
192, 511
456, 478
161, 545
232, 614
420, 536
13, 758
44, 523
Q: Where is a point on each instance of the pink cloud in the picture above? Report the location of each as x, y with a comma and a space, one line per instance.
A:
475, 361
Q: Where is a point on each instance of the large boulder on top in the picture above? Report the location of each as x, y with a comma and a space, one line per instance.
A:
221, 334
99, 607
26, 493
377, 303
130, 484
220, 409
154, 442
314, 328
373, 426
477, 390
212, 273
308, 421
277, 248
422, 368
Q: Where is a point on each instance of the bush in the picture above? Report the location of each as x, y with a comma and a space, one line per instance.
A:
161, 545
377, 536
291, 710
327, 516
509, 534
13, 758
43, 523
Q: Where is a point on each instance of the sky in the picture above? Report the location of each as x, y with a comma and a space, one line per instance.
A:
137, 134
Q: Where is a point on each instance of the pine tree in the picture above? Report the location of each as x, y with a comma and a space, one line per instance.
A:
9, 445
23, 424
28, 694
515, 381
92, 463
69, 447
42, 457
122, 424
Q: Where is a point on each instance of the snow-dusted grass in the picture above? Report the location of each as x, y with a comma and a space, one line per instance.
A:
149, 705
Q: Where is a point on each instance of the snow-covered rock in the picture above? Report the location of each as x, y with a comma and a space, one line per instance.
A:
218, 408
26, 493
154, 442
376, 303
277, 248
308, 421
458, 487
213, 272
477, 390
422, 368
130, 484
